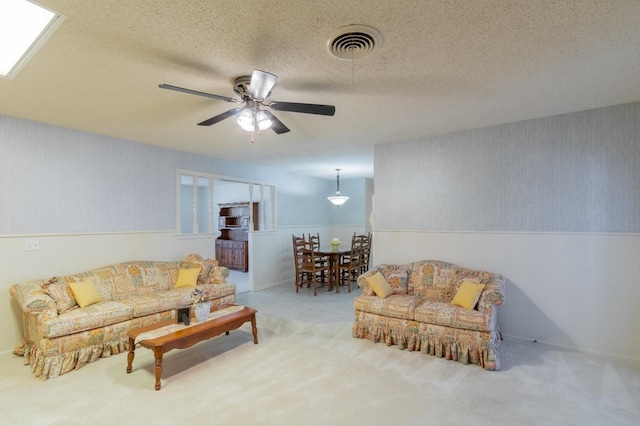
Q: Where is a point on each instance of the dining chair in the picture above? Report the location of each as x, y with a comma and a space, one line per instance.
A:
350, 267
315, 240
310, 269
366, 252
307, 268
298, 244
321, 260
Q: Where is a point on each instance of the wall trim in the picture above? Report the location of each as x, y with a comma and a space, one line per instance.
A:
433, 231
510, 337
75, 234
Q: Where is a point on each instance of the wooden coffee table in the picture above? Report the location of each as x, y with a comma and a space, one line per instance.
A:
189, 336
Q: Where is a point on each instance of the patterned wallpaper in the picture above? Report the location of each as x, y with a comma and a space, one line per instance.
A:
57, 180
577, 172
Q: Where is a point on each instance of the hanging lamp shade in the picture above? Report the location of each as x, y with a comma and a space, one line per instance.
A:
338, 199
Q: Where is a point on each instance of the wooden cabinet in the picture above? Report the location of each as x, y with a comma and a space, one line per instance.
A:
232, 247
240, 255
233, 254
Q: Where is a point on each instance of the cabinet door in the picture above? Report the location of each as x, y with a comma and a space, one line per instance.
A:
219, 250
239, 256
228, 257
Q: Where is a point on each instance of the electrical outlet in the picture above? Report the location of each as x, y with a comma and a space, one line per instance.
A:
31, 244
384, 236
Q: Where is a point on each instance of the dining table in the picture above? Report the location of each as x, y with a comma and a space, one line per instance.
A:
335, 257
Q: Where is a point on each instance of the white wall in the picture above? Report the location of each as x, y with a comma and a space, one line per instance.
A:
271, 259
271, 253
93, 200
553, 204
573, 290
73, 253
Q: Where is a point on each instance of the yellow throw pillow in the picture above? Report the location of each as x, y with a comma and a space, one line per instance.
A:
187, 277
380, 285
85, 293
468, 294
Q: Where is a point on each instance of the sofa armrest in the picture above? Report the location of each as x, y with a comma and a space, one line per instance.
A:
218, 275
37, 307
493, 293
33, 300
364, 284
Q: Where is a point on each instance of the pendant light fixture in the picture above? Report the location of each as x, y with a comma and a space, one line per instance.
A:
338, 199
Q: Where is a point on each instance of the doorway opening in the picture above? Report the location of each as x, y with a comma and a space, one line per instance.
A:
226, 210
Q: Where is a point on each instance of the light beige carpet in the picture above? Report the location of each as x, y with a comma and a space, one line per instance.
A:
303, 373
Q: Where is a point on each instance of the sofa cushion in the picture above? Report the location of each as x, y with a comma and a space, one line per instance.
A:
121, 280
396, 305
85, 293
215, 291
196, 261
379, 285
101, 278
398, 279
93, 316
59, 291
445, 314
159, 301
174, 298
434, 280
467, 294
143, 277
187, 277
396, 275
145, 305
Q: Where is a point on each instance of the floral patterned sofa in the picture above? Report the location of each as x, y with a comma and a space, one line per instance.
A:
418, 315
59, 336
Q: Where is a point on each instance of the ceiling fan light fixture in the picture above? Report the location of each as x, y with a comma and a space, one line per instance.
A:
253, 91
247, 120
338, 200
262, 120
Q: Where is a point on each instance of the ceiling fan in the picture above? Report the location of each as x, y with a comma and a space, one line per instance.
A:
253, 91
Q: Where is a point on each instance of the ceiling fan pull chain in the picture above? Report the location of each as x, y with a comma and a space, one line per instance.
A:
251, 137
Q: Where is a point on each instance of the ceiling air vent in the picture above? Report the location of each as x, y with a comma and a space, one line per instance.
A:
353, 42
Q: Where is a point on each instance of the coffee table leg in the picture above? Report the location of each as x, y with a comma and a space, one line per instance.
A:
254, 329
131, 354
158, 355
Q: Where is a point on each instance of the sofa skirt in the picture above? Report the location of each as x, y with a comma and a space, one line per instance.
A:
52, 357
465, 346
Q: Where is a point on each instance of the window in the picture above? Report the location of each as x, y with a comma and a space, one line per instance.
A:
194, 205
24, 27
198, 196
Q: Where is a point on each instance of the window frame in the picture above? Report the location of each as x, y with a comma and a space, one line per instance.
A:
265, 189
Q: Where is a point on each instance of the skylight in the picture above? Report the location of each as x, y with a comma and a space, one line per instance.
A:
24, 27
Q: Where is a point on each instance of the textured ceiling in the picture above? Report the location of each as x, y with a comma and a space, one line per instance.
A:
444, 66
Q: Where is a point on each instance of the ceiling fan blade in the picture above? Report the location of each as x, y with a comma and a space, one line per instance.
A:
261, 84
276, 125
220, 117
304, 108
195, 92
